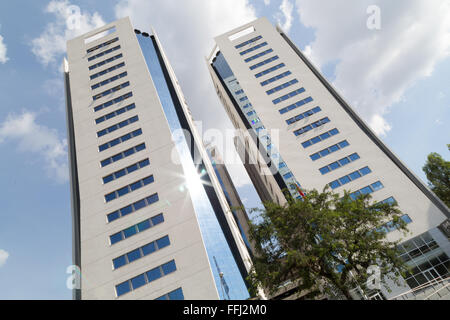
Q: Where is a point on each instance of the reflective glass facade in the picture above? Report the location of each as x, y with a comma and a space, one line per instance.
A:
221, 259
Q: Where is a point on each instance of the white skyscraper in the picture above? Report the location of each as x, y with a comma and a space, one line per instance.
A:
314, 138
149, 222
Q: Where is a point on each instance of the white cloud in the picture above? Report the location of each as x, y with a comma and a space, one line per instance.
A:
286, 9
375, 67
4, 255
266, 2
3, 49
33, 138
187, 30
51, 44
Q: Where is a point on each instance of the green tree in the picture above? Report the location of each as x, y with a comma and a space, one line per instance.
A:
324, 242
437, 171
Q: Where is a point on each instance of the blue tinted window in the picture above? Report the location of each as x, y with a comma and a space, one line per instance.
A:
108, 179
158, 219
119, 262
366, 190
163, 242
295, 105
136, 185
149, 248
123, 288
269, 70
325, 152
311, 126
324, 170
140, 147
110, 197
270, 80
119, 173
256, 56
344, 180
138, 281
314, 156
354, 157
334, 184
343, 144
306, 144
132, 168
334, 148
117, 66
123, 191
323, 136
365, 171
169, 267
355, 175
153, 198
334, 165
134, 255
115, 237
377, 185
344, 161
176, 294
126, 210
129, 232
154, 274
248, 42
287, 175
129, 209
315, 140
117, 157
144, 163
140, 204
289, 95
162, 298
113, 216
148, 180
253, 48
406, 218
144, 225
334, 132
128, 152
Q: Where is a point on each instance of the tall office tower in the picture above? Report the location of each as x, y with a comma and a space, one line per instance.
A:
150, 219
298, 132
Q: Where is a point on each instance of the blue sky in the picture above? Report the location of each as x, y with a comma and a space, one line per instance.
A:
395, 77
